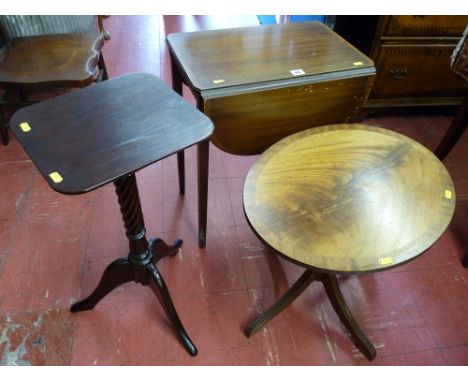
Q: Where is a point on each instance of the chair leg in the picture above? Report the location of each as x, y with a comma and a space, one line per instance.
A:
104, 32
454, 131
465, 260
102, 69
22, 95
3, 129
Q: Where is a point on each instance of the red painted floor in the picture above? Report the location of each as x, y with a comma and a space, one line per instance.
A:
53, 250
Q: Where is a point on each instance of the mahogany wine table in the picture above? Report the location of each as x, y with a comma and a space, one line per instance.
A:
105, 133
346, 199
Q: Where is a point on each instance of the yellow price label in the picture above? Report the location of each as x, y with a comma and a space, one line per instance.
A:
25, 127
448, 194
358, 63
385, 261
56, 177
220, 81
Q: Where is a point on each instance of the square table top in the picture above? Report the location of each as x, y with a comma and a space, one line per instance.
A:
260, 54
85, 139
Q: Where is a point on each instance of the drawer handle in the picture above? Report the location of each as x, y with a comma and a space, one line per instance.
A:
399, 73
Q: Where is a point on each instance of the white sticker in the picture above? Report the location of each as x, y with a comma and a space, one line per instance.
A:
297, 72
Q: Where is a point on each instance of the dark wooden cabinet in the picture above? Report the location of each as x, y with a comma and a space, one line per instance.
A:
411, 56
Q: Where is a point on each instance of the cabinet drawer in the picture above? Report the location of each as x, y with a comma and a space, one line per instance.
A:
416, 71
426, 26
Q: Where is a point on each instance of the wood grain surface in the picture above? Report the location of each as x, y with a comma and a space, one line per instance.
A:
260, 84
349, 198
95, 135
66, 60
249, 123
239, 56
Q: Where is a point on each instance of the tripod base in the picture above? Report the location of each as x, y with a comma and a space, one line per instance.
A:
332, 289
143, 270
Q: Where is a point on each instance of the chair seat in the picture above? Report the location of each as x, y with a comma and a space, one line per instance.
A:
40, 61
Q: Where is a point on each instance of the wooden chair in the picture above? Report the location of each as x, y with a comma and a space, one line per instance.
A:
459, 65
47, 52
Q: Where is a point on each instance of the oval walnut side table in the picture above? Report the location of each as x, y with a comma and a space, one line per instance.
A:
346, 199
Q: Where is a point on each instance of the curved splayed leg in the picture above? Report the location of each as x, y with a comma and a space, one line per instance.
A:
160, 249
117, 273
159, 288
336, 298
299, 286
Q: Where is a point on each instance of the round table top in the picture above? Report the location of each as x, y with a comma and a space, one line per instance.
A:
348, 198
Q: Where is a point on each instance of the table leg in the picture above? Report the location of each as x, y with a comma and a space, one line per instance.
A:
177, 82
336, 298
177, 86
203, 153
159, 288
295, 291
117, 273
202, 161
181, 170
140, 266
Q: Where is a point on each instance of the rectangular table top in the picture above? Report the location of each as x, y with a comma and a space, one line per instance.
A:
82, 140
220, 59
